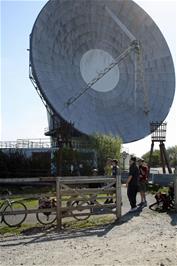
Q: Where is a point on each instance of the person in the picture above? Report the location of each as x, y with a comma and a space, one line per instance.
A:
115, 169
142, 181
94, 173
108, 167
94, 185
132, 184
108, 172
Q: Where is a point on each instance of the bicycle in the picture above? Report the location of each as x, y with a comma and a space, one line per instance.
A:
164, 202
46, 217
6, 211
50, 217
81, 204
77, 214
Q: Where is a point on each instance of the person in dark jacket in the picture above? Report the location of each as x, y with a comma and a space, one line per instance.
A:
132, 184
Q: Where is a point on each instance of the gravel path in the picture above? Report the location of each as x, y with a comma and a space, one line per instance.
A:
145, 238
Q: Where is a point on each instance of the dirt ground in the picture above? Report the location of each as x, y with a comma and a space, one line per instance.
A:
142, 238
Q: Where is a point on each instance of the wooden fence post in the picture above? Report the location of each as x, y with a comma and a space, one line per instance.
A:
118, 197
59, 215
175, 192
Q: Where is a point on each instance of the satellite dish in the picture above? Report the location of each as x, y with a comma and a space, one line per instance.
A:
102, 65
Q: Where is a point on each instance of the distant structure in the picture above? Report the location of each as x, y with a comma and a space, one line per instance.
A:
159, 135
50, 154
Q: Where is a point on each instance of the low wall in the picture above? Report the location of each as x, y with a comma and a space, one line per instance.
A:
163, 179
160, 179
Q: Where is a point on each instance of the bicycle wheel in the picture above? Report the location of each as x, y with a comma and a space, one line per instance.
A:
13, 220
157, 206
46, 217
172, 205
76, 213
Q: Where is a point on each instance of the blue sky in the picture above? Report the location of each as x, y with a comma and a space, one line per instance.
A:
22, 113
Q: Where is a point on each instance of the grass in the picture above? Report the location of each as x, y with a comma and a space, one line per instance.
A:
89, 223
8, 231
30, 204
92, 222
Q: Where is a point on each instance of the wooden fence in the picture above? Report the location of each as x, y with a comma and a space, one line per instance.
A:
88, 199
78, 189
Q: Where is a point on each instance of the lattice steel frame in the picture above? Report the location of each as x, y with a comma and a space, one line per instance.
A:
158, 130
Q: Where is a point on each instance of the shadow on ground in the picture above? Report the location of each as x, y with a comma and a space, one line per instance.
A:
51, 233
173, 216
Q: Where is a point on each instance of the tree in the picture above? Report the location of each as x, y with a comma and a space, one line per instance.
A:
74, 162
15, 164
106, 146
172, 154
155, 160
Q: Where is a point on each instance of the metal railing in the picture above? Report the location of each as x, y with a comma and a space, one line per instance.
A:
40, 143
26, 144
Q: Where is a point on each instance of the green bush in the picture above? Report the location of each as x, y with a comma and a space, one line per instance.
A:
106, 146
